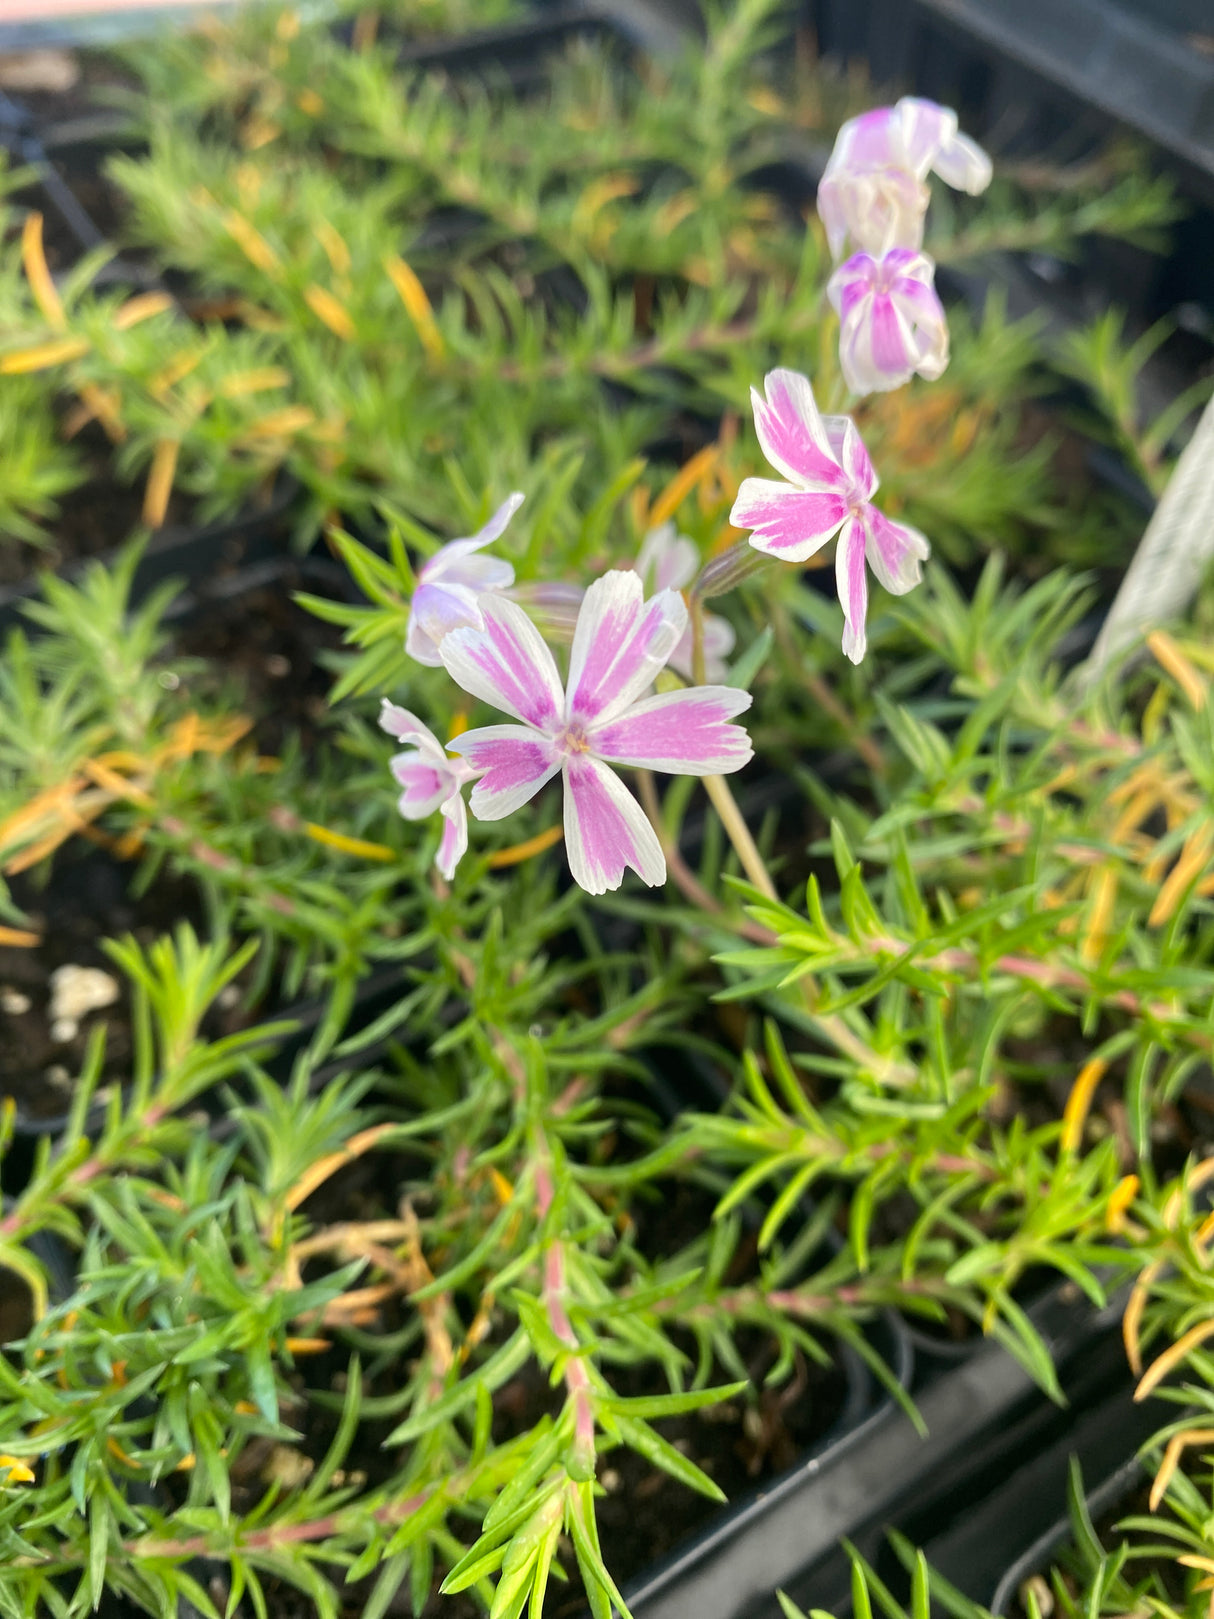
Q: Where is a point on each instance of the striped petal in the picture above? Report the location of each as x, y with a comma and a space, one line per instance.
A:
454, 841
686, 733
506, 663
436, 610
425, 784
620, 645
513, 762
962, 164
456, 560
788, 523
606, 831
894, 551
853, 589
789, 426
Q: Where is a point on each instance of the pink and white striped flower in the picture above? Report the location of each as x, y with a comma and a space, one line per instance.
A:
451, 584
891, 323
668, 560
829, 491
431, 781
600, 719
874, 188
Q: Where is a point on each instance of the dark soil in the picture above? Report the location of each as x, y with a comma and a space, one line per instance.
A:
84, 898
262, 649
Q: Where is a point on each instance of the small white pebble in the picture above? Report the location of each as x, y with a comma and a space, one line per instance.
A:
13, 1001
228, 997
168, 680
76, 991
609, 1479
64, 1029
287, 1467
59, 1076
277, 666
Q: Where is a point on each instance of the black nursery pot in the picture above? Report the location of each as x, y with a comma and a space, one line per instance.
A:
983, 1493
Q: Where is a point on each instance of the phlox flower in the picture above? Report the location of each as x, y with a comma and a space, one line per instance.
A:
601, 718
830, 489
431, 781
874, 188
451, 583
891, 323
668, 560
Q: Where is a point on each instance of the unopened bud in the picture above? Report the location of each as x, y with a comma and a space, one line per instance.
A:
726, 572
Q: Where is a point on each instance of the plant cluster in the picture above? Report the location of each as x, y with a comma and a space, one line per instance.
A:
908, 1021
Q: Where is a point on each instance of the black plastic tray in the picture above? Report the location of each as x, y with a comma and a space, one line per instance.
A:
991, 1430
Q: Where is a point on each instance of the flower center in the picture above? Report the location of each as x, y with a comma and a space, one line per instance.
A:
573, 739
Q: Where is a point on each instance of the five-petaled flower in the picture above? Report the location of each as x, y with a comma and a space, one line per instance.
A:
874, 189
668, 560
830, 489
601, 718
891, 323
450, 585
431, 780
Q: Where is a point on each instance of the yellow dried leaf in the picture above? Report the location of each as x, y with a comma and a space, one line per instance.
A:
680, 486
241, 383
519, 852
1172, 1357
140, 308
1120, 1198
252, 243
1079, 1101
347, 845
334, 244
282, 423
334, 314
42, 355
1103, 887
1169, 656
41, 282
160, 482
1193, 859
418, 307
